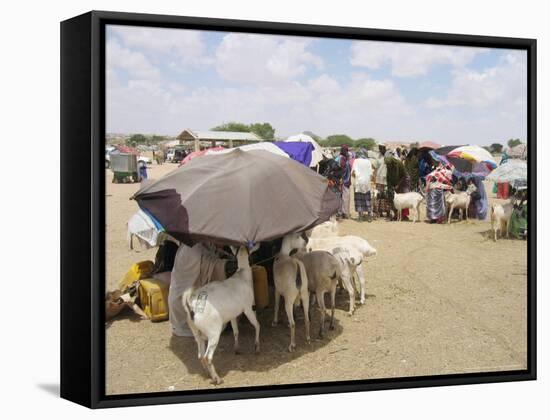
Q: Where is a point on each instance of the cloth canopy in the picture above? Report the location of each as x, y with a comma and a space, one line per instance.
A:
518, 152
267, 146
145, 228
299, 151
317, 154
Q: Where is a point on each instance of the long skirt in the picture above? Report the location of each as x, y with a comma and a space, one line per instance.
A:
344, 207
363, 202
435, 204
384, 201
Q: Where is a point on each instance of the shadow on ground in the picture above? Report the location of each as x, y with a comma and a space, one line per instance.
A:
274, 341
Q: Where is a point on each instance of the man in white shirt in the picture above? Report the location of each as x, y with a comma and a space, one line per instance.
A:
361, 174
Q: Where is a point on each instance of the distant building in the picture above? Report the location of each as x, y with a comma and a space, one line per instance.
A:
226, 138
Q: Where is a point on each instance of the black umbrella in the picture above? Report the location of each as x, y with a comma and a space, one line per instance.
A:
239, 198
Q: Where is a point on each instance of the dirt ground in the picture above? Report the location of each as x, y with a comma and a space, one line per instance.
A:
441, 299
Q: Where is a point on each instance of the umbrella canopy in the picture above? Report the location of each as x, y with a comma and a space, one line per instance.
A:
511, 171
317, 154
468, 159
474, 154
239, 198
267, 146
446, 149
428, 145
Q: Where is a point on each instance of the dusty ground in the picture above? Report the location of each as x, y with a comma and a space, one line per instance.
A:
441, 299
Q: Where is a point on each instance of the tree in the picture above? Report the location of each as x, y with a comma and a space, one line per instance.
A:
367, 143
339, 140
232, 126
263, 130
513, 142
157, 139
496, 148
136, 139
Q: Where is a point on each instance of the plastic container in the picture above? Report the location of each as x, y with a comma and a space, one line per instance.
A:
153, 299
261, 291
503, 190
136, 272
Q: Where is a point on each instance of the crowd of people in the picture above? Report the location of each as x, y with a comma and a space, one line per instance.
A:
376, 176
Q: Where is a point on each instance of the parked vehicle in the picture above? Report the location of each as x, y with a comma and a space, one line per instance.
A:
113, 150
176, 154
170, 154
124, 167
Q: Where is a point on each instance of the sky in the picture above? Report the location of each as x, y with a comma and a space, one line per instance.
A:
162, 81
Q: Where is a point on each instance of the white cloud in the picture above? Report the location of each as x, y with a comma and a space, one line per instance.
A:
270, 80
324, 84
409, 60
263, 59
361, 107
134, 63
186, 47
502, 86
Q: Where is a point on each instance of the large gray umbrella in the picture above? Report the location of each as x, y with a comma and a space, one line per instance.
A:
238, 198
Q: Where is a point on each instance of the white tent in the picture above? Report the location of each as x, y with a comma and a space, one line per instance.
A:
269, 147
518, 152
317, 154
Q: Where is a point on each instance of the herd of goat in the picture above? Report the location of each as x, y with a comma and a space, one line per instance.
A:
308, 266
500, 213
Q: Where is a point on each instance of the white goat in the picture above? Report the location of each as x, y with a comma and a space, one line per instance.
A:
356, 249
410, 200
500, 219
328, 228
460, 201
323, 272
349, 258
290, 278
210, 307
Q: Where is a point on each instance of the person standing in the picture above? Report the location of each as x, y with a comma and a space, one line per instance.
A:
382, 202
437, 182
142, 170
398, 181
361, 174
343, 160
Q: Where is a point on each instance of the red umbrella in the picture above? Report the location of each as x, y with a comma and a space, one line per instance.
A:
429, 145
193, 155
127, 149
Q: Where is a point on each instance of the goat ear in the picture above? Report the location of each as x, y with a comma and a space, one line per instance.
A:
234, 249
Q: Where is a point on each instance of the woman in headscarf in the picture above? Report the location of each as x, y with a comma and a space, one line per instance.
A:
437, 182
343, 159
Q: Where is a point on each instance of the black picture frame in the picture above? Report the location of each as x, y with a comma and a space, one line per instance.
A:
83, 207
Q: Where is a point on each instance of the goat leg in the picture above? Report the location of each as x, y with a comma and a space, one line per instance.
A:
235, 328
251, 315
